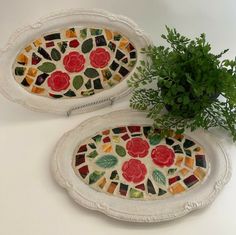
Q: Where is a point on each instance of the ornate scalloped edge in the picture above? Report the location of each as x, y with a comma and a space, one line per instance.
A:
101, 103
102, 207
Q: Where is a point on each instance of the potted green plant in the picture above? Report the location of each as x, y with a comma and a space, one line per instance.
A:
186, 86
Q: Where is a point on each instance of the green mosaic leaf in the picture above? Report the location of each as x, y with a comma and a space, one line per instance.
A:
172, 171
70, 93
155, 139
96, 31
159, 177
188, 152
120, 151
92, 145
91, 73
47, 67
83, 33
133, 193
93, 154
78, 82
95, 176
87, 93
97, 138
62, 46
88, 84
19, 71
55, 54
107, 161
87, 45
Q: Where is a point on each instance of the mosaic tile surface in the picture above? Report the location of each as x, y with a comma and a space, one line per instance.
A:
129, 162
74, 62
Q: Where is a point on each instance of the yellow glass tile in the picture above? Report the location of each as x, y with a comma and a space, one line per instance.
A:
38, 42
177, 188
70, 33
197, 149
116, 139
28, 48
179, 160
117, 78
106, 74
32, 72
184, 171
189, 162
111, 188
107, 148
123, 43
170, 133
22, 59
29, 80
102, 183
199, 173
108, 34
37, 90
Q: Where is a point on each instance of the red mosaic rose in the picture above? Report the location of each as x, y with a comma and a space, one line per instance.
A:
58, 81
137, 147
74, 62
134, 171
163, 156
99, 58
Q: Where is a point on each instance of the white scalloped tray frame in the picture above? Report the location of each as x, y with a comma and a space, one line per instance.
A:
76, 17
134, 210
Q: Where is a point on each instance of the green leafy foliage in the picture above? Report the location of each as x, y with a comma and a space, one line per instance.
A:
185, 86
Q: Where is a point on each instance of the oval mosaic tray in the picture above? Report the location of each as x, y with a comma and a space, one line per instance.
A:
75, 60
114, 164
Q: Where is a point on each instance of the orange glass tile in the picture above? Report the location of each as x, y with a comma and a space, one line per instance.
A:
29, 80
107, 148
199, 173
178, 136
123, 43
102, 182
32, 72
189, 162
37, 90
28, 48
70, 33
177, 188
37, 42
112, 187
179, 160
184, 171
108, 34
106, 132
22, 59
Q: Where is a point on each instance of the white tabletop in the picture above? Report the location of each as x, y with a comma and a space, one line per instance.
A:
31, 203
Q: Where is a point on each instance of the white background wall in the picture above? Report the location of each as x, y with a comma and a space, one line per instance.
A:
31, 203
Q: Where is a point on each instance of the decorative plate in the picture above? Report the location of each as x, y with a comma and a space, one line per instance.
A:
75, 60
114, 164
